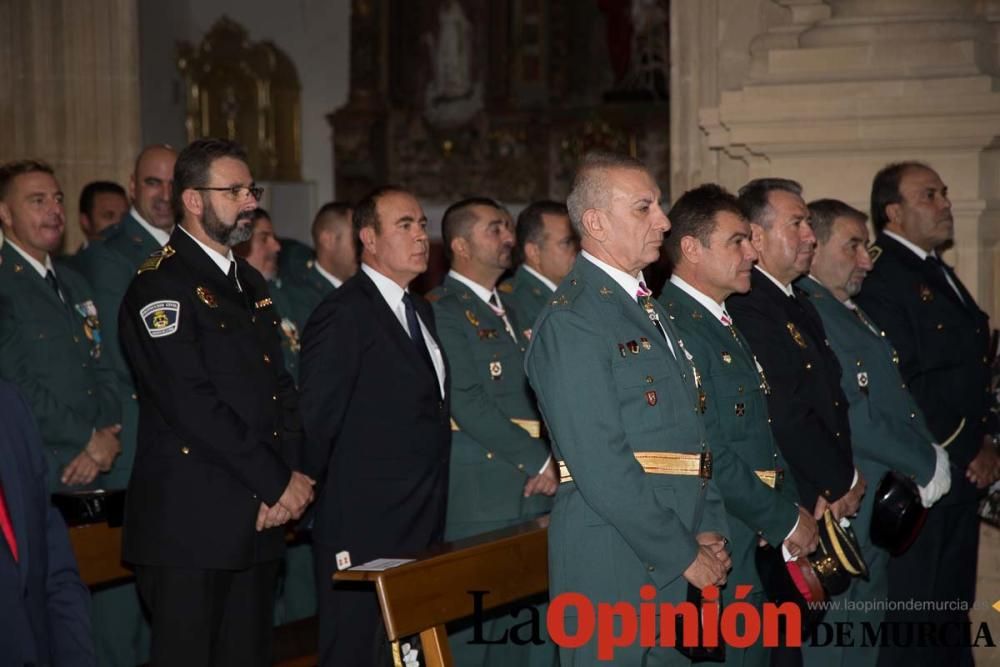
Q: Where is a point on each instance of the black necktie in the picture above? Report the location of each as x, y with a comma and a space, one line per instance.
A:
939, 265
413, 324
50, 278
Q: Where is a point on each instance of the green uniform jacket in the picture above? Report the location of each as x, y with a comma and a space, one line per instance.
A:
739, 432
888, 431
309, 289
526, 294
54, 352
291, 327
491, 457
294, 261
109, 266
608, 386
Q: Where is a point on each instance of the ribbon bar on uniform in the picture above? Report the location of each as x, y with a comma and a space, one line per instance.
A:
662, 463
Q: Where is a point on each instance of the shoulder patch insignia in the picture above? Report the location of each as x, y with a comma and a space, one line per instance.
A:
161, 317
152, 262
506, 288
874, 252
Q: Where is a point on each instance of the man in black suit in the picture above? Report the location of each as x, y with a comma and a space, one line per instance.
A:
806, 404
46, 608
219, 434
942, 338
375, 411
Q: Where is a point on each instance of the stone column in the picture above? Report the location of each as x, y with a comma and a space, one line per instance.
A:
834, 90
69, 91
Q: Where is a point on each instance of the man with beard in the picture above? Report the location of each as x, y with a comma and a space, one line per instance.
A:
888, 431
637, 508
501, 471
547, 247
942, 338
375, 411
709, 247
219, 434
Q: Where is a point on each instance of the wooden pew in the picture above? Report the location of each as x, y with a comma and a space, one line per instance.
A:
98, 549
419, 598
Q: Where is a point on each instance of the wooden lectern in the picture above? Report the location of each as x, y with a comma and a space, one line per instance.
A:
422, 596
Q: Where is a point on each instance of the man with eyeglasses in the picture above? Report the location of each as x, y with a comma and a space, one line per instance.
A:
215, 471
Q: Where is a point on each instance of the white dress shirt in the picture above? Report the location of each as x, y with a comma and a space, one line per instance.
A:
393, 295
336, 282
545, 281
160, 236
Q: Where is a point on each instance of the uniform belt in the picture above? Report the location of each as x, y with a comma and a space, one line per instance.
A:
662, 463
532, 426
773, 478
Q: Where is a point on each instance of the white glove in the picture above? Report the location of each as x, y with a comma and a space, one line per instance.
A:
940, 483
410, 655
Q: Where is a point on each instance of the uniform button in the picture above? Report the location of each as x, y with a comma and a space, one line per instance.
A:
836, 404
185, 450
739, 389
135, 397
275, 434
76, 339
253, 319
222, 325
837, 434
267, 359
940, 327
90, 392
255, 496
274, 397
808, 366
913, 415
649, 379
274, 322
520, 466
826, 493
650, 568
489, 456
683, 376
573, 282
903, 385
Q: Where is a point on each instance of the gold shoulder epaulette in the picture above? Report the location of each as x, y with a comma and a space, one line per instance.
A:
152, 263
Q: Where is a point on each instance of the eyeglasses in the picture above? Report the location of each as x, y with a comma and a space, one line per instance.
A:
237, 191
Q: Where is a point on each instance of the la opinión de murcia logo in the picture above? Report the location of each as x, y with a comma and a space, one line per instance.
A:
738, 624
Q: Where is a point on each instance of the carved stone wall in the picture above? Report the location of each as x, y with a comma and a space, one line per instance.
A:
69, 91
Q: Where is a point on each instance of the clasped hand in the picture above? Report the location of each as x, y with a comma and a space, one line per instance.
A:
292, 503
